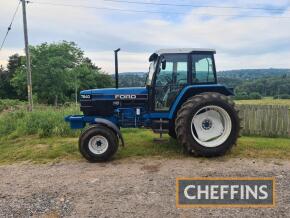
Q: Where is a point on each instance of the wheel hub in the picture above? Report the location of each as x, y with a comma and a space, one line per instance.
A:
206, 124
98, 144
211, 126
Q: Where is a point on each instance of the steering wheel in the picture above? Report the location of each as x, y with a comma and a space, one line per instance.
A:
168, 79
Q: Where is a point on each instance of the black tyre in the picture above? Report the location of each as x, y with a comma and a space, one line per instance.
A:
171, 129
208, 124
172, 134
98, 143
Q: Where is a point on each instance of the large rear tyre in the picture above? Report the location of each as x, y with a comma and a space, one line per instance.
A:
98, 143
172, 133
208, 124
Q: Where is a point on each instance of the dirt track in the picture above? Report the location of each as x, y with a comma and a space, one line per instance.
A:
127, 188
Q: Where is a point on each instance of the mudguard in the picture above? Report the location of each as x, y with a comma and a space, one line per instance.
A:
112, 126
192, 90
79, 122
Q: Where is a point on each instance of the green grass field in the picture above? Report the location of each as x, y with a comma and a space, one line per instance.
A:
139, 143
43, 136
265, 101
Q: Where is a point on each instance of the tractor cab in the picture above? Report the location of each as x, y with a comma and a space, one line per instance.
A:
172, 69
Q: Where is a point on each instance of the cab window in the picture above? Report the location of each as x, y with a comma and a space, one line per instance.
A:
171, 80
202, 68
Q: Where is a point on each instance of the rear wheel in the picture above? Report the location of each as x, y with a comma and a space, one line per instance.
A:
208, 124
98, 143
172, 134
171, 131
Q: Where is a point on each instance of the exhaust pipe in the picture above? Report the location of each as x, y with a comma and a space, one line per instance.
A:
116, 68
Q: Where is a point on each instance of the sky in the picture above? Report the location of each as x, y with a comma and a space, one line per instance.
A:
241, 41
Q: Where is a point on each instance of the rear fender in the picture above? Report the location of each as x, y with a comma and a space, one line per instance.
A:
192, 90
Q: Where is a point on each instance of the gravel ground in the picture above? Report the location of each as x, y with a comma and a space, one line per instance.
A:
128, 188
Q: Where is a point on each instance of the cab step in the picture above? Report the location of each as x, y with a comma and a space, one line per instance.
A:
160, 130
160, 126
161, 121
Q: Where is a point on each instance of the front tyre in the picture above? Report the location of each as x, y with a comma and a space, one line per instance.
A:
208, 124
98, 143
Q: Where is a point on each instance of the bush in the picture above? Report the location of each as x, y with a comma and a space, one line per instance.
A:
44, 121
11, 104
246, 96
255, 95
282, 96
241, 96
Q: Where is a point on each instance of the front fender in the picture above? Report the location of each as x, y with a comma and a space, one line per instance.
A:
110, 125
79, 121
192, 90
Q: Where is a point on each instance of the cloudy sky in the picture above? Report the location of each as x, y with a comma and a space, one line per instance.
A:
243, 38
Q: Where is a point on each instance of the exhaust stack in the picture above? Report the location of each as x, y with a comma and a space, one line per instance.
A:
116, 67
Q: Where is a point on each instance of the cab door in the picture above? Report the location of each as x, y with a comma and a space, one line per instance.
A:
169, 80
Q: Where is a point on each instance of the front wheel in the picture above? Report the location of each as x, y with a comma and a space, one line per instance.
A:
98, 143
208, 124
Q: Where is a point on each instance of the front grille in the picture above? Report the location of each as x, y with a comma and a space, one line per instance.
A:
86, 102
97, 107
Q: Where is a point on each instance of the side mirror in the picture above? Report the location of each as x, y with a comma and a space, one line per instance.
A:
163, 64
153, 57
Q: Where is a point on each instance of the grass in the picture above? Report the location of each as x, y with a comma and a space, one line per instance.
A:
43, 136
265, 101
44, 121
139, 143
11, 104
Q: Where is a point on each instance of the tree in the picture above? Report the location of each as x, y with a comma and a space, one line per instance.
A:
2, 83
87, 76
255, 95
58, 70
6, 89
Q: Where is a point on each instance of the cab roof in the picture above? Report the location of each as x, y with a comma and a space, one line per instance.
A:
183, 50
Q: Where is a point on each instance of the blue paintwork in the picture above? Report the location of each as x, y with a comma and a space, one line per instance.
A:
192, 90
186, 93
114, 91
156, 115
80, 121
126, 117
109, 93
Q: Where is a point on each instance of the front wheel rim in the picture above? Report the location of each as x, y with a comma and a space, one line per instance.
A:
211, 126
98, 144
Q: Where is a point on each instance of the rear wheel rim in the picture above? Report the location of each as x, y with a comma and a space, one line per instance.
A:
211, 126
98, 144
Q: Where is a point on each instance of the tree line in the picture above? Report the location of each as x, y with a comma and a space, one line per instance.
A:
275, 86
275, 83
59, 71
132, 79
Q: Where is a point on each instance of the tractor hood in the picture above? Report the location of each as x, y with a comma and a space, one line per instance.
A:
113, 93
103, 102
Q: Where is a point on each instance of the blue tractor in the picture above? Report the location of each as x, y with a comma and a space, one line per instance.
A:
181, 97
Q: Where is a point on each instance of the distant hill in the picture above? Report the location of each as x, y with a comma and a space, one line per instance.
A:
233, 74
253, 73
131, 79
265, 82
131, 73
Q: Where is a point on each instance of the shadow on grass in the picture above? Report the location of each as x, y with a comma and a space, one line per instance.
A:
142, 143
